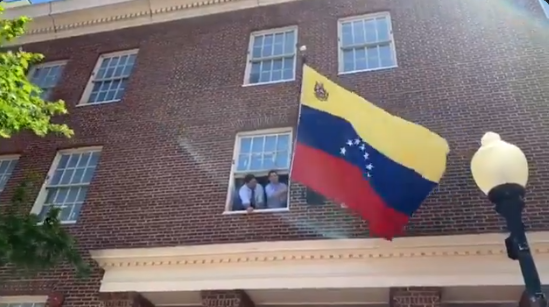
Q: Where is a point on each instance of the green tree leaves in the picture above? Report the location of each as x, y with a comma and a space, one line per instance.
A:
26, 242
21, 107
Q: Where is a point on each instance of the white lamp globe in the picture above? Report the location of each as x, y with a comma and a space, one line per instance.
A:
497, 162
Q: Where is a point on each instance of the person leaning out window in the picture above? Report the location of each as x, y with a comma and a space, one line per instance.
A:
251, 194
277, 192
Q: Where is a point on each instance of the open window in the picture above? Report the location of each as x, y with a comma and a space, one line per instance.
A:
257, 153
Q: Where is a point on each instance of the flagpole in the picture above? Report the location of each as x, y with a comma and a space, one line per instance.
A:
303, 56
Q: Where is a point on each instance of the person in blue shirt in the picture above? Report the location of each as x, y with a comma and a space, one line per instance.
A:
276, 191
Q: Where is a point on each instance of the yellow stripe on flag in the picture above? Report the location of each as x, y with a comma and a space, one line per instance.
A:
406, 143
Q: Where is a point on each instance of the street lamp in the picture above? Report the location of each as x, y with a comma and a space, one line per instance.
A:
500, 170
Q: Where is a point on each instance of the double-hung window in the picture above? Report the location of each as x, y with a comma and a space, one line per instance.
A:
257, 153
67, 184
110, 77
366, 43
272, 56
46, 76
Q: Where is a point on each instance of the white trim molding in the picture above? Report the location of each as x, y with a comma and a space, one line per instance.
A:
442, 261
70, 18
24, 299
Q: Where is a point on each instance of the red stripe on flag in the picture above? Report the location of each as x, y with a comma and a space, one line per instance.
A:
344, 183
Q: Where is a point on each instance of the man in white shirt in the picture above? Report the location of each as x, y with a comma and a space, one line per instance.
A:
277, 192
251, 194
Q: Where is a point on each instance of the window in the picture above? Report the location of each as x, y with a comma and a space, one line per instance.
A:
272, 56
257, 153
109, 78
23, 301
67, 183
7, 164
46, 77
366, 43
545, 7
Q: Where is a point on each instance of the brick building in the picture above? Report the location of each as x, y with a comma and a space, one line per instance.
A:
173, 101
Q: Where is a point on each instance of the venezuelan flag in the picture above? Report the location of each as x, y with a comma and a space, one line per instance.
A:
355, 153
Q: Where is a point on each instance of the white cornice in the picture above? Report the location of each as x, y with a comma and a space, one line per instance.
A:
349, 263
332, 250
69, 18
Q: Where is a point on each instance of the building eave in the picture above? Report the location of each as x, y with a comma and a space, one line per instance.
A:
415, 261
69, 18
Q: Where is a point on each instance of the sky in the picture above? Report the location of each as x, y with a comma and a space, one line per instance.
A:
12, 3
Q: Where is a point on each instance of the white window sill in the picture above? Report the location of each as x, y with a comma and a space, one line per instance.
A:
257, 211
342, 73
87, 104
268, 83
62, 223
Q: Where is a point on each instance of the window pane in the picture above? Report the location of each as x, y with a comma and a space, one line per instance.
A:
278, 48
267, 49
255, 72
270, 143
370, 30
283, 142
347, 34
290, 42
373, 57
382, 29
257, 46
359, 37
56, 179
360, 59
243, 162
386, 56
348, 60
257, 144
282, 160
88, 175
289, 67
245, 145
268, 161
256, 162
94, 159
6, 169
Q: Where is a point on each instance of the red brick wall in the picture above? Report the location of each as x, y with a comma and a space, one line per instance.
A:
465, 67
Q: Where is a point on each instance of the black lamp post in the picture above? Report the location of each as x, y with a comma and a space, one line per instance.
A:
500, 170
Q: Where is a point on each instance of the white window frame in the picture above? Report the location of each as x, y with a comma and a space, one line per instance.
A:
89, 87
253, 35
42, 195
33, 68
236, 152
9, 158
24, 299
544, 8
340, 40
